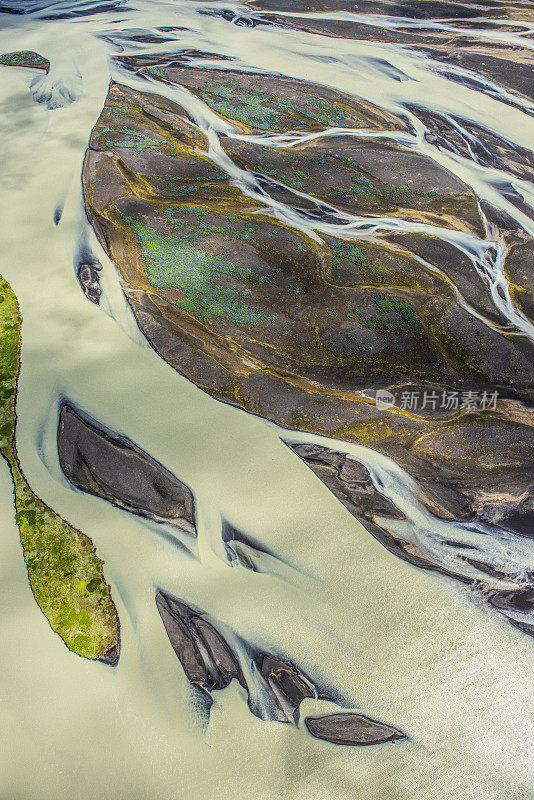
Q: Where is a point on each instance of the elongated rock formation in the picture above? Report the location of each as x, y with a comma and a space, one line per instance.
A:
66, 576
354, 729
113, 468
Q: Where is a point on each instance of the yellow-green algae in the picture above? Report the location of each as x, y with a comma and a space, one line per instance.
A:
65, 574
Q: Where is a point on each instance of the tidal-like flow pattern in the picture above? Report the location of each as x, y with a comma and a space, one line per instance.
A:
273, 263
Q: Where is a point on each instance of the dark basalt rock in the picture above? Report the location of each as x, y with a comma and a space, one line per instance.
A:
283, 678
113, 468
519, 601
210, 664
181, 639
348, 479
111, 656
243, 548
523, 626
401, 8
89, 280
352, 729
205, 656
182, 57
522, 522
350, 482
220, 653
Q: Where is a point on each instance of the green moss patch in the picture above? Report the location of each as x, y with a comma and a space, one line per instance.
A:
394, 315
273, 112
358, 258
176, 263
132, 140
25, 58
65, 574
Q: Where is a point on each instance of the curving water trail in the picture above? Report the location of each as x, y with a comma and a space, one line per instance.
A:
408, 647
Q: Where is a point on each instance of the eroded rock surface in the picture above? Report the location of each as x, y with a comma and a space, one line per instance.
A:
89, 279
205, 656
113, 468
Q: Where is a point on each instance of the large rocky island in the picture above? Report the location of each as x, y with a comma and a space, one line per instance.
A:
232, 284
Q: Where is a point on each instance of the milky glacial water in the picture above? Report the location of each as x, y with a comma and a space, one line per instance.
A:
407, 647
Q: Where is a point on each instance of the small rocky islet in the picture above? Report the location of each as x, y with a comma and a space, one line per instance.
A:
111, 467
25, 58
304, 329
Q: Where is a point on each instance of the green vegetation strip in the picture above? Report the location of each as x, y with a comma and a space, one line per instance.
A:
65, 573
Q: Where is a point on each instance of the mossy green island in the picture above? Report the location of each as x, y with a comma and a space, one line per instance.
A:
65, 574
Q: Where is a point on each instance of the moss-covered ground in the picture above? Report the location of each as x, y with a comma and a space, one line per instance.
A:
24, 58
65, 574
268, 111
173, 263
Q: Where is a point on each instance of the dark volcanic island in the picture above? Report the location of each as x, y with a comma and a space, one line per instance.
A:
248, 281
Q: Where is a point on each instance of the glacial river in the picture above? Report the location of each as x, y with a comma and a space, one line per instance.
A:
405, 646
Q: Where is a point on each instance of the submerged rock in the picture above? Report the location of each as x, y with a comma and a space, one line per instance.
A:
113, 468
111, 655
288, 686
243, 549
352, 729
89, 280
